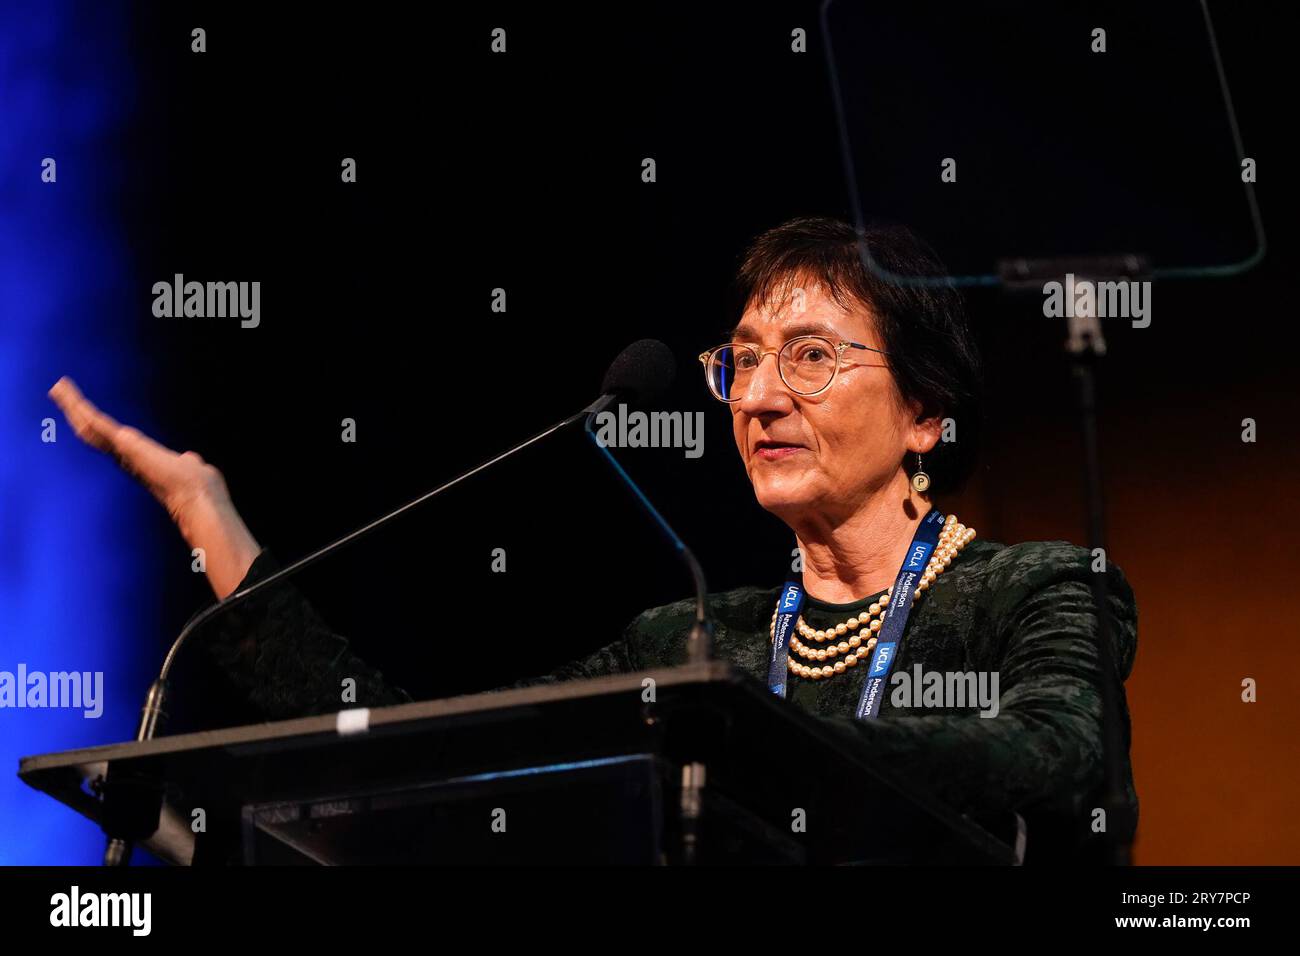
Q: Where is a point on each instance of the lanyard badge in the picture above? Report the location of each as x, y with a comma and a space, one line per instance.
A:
888, 639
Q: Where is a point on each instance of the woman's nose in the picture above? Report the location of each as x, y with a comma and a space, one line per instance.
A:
765, 392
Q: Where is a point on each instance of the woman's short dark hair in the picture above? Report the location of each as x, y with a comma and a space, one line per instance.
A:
923, 327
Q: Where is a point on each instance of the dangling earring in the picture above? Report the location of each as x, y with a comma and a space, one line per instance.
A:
920, 480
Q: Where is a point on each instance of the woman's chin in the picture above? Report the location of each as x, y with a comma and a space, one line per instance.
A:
782, 497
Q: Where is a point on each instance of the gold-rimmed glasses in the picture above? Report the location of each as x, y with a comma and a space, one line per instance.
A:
807, 365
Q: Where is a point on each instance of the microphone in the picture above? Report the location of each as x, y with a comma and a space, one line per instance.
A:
640, 370
644, 368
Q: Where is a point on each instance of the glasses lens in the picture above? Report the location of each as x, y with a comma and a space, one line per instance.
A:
729, 370
808, 363
721, 370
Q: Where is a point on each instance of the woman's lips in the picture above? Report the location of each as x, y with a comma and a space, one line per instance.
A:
777, 452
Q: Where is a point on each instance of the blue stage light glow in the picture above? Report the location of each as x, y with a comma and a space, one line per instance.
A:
79, 556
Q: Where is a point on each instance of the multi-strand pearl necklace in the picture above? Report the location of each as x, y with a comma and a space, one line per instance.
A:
853, 647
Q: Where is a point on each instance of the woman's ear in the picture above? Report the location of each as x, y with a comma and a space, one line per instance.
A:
925, 431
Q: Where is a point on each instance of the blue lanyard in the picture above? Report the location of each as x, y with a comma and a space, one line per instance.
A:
888, 639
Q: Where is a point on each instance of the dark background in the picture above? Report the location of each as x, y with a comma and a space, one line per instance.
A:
523, 172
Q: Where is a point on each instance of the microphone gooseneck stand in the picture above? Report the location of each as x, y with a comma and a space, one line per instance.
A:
699, 649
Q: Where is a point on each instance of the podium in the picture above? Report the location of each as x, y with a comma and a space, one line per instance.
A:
614, 770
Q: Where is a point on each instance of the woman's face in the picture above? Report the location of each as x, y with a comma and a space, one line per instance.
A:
827, 453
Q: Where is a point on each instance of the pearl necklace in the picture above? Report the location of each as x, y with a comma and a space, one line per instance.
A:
857, 646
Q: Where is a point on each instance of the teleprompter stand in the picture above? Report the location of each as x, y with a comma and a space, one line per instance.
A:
580, 772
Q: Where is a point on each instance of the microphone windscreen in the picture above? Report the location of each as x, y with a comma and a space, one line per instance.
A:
642, 370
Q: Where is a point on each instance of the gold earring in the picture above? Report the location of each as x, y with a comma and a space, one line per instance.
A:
920, 480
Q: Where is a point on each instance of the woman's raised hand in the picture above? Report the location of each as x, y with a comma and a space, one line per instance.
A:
177, 481
193, 492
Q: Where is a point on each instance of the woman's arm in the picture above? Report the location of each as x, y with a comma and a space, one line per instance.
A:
285, 661
1043, 752
277, 651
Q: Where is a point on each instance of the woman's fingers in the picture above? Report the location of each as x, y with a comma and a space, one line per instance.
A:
91, 425
156, 465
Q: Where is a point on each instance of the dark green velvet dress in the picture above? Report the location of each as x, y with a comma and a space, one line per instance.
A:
1025, 612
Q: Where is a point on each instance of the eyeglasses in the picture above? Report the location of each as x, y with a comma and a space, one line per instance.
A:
807, 364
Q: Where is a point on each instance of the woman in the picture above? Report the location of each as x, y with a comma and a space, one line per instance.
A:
841, 436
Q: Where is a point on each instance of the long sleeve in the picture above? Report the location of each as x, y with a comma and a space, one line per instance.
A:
657, 638
286, 661
619, 657
1024, 612
1042, 753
